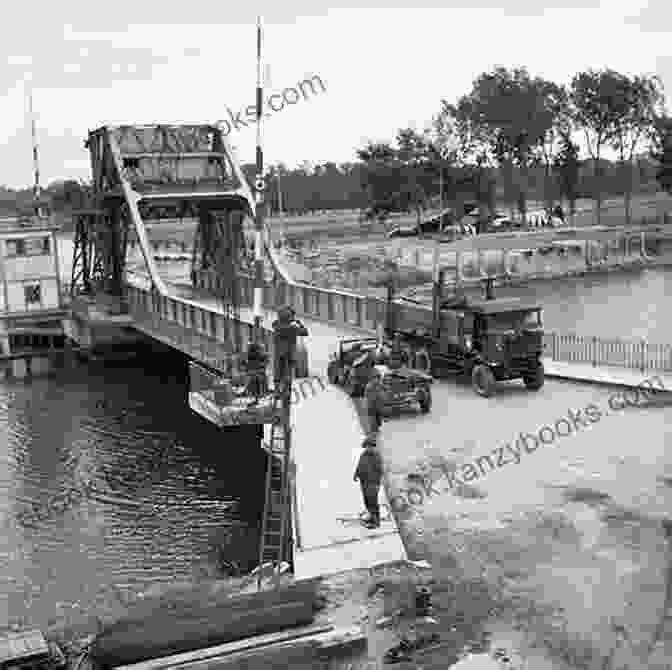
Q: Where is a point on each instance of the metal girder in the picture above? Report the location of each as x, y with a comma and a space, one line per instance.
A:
99, 258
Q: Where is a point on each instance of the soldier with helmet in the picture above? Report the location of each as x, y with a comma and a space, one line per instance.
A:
286, 329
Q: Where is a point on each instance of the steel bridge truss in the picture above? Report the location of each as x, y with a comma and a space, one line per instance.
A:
148, 173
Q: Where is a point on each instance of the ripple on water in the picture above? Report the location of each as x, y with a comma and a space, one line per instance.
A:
162, 499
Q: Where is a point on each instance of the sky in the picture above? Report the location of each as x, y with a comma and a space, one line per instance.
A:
383, 67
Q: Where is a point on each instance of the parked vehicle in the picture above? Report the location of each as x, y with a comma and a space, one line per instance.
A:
490, 340
403, 231
351, 366
28, 650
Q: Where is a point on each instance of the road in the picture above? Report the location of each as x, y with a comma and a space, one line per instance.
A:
588, 556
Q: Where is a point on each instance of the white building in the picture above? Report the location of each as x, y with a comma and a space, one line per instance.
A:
30, 302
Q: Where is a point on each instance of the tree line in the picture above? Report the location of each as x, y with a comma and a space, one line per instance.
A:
511, 138
514, 134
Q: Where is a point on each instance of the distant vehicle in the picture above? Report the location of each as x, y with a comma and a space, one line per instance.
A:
403, 231
501, 223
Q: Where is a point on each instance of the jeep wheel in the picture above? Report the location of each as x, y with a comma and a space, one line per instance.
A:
425, 400
422, 361
483, 381
332, 373
535, 380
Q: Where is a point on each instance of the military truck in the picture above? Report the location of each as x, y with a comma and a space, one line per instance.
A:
490, 339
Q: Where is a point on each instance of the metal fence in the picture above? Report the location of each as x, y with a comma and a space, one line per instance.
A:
635, 355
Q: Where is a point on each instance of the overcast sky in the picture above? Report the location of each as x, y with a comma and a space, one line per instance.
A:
383, 67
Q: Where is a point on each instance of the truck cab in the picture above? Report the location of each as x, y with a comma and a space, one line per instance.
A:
503, 339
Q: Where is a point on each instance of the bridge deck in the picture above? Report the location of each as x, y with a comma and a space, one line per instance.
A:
326, 444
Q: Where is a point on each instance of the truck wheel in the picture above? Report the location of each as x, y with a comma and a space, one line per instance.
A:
352, 387
422, 361
301, 358
535, 380
425, 401
483, 381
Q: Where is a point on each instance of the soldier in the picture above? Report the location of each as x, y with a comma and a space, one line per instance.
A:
370, 473
397, 358
287, 328
257, 360
374, 401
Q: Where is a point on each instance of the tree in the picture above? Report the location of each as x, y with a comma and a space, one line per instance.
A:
507, 115
567, 166
380, 176
413, 156
557, 135
639, 101
661, 149
597, 110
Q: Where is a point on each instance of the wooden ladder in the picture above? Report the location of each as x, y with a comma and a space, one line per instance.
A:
275, 522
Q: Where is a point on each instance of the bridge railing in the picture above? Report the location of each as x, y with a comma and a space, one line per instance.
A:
200, 332
340, 308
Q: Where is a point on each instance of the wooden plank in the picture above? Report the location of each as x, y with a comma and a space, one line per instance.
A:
282, 657
209, 653
166, 634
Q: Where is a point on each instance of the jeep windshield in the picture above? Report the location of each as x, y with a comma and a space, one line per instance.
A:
513, 321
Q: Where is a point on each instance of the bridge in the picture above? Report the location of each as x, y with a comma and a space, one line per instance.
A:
150, 173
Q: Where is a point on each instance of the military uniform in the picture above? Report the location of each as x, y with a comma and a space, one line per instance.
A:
257, 359
286, 330
370, 474
374, 395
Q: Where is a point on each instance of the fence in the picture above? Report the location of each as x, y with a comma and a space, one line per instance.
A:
596, 351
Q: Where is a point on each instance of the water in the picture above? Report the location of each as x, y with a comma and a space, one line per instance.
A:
627, 305
165, 488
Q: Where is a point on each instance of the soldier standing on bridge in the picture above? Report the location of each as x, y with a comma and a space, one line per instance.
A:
286, 329
370, 473
397, 357
373, 394
256, 362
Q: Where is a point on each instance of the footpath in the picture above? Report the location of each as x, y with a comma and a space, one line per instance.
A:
603, 374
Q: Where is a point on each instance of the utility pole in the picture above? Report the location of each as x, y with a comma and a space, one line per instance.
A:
259, 186
279, 195
37, 191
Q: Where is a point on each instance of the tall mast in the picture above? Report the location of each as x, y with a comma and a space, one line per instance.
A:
259, 200
37, 191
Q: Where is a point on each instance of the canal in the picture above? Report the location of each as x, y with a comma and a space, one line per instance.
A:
162, 489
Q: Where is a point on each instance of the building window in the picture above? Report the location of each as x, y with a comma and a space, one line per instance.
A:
33, 294
36, 246
14, 248
31, 246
